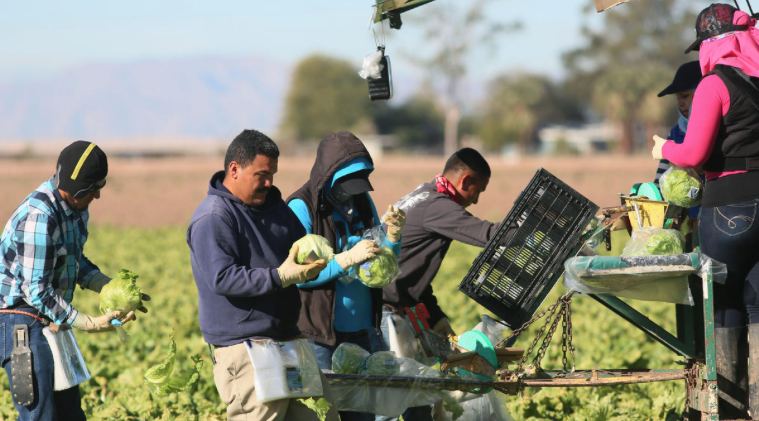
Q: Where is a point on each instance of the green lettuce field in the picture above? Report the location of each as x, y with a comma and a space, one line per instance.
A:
161, 258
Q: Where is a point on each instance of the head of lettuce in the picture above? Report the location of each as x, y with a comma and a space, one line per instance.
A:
121, 293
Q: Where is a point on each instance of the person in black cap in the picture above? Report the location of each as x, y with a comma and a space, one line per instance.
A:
722, 140
335, 204
41, 262
683, 87
436, 215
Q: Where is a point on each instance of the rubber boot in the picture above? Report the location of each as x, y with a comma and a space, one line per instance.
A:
753, 367
732, 371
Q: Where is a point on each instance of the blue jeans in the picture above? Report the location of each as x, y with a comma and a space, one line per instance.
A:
47, 405
366, 339
730, 234
417, 413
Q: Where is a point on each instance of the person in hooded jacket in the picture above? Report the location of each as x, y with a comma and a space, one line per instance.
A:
334, 203
721, 138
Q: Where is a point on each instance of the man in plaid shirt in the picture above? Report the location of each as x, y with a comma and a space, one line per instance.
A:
41, 262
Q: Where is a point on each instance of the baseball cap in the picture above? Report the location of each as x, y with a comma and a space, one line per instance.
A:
686, 79
715, 20
81, 165
356, 183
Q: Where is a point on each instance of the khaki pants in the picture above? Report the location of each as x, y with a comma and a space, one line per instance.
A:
234, 375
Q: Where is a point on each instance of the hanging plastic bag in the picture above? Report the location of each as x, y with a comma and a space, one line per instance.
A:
380, 271
681, 187
372, 65
68, 362
284, 369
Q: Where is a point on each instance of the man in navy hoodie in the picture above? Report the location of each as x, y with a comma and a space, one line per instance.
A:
239, 239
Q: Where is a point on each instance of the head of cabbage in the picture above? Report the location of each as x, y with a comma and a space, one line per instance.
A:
681, 188
381, 363
654, 241
121, 293
316, 243
379, 271
347, 358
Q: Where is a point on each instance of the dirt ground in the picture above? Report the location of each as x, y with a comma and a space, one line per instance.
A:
159, 192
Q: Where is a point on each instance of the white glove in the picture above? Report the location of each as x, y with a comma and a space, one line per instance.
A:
100, 323
292, 273
395, 219
443, 327
658, 146
361, 252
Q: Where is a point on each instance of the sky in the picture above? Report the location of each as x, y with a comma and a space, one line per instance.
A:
42, 37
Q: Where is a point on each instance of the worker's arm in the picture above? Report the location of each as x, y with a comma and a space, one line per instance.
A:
35, 239
444, 217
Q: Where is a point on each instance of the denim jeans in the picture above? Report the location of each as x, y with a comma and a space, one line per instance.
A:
47, 405
417, 413
366, 339
730, 234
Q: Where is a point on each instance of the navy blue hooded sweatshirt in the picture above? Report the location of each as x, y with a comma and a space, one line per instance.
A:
235, 251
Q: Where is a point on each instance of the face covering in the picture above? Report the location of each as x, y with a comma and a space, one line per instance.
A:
342, 201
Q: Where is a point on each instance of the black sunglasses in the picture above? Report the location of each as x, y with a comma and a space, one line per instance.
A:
91, 189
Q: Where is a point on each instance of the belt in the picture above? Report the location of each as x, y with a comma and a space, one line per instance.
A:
44, 321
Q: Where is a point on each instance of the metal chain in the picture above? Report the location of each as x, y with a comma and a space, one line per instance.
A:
690, 384
563, 305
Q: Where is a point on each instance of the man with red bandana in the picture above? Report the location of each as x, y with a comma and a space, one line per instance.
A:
435, 216
722, 139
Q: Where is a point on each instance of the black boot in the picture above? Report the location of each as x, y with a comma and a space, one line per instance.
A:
732, 371
753, 376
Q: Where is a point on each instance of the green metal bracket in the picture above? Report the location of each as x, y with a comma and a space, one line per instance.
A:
645, 324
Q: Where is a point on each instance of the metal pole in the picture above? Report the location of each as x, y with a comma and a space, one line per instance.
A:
749, 8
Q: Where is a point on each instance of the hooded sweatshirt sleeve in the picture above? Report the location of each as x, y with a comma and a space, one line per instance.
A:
213, 245
333, 269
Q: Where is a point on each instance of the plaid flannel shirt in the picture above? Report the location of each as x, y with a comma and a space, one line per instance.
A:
41, 255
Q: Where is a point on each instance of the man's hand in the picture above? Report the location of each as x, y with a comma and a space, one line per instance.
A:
101, 323
443, 327
658, 146
58, 328
395, 219
292, 273
145, 297
361, 252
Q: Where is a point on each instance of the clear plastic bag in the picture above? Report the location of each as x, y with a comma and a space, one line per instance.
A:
385, 400
494, 330
382, 270
654, 241
681, 187
347, 358
284, 369
488, 407
70, 369
372, 67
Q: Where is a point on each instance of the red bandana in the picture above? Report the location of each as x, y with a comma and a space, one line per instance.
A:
444, 186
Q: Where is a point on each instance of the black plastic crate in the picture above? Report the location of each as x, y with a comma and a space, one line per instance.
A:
512, 276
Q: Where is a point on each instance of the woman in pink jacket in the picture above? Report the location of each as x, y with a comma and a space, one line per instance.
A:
723, 140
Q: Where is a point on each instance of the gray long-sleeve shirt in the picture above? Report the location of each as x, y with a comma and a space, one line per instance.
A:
433, 220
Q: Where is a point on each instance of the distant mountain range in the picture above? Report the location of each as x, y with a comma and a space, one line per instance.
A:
195, 97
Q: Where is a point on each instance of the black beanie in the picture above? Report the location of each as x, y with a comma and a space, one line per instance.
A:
80, 165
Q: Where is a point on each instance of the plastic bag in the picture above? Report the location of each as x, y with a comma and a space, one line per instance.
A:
347, 358
488, 407
371, 67
382, 270
388, 401
681, 187
68, 362
654, 241
284, 369
403, 342
381, 363
494, 330
316, 243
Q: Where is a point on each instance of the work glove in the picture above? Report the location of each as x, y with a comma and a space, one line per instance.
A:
101, 323
658, 146
361, 252
443, 327
395, 219
292, 273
